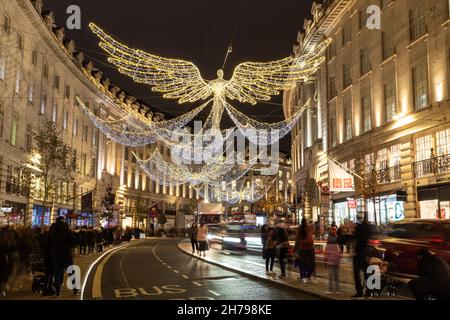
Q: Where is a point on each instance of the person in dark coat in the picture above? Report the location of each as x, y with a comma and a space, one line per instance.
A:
193, 230
4, 268
83, 241
282, 248
264, 236
360, 264
60, 238
434, 277
44, 245
90, 240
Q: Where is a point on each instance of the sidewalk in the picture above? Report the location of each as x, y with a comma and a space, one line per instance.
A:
254, 266
84, 262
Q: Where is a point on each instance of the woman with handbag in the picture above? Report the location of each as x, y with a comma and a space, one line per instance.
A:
202, 238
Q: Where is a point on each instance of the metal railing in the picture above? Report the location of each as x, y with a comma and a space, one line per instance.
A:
432, 166
386, 175
391, 174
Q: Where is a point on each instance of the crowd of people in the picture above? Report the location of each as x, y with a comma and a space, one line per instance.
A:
50, 250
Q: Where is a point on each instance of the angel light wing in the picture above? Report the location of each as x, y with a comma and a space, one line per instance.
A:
256, 81
176, 79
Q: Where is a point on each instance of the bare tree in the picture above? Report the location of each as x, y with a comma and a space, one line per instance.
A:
370, 186
54, 162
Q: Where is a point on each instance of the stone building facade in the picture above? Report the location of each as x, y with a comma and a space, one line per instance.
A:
41, 73
381, 100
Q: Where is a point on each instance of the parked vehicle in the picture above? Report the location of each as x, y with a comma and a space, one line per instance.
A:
403, 241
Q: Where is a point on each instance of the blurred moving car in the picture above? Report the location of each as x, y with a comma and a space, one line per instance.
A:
401, 243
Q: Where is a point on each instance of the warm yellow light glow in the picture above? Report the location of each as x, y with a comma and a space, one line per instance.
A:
402, 120
440, 91
378, 114
181, 80
36, 159
404, 103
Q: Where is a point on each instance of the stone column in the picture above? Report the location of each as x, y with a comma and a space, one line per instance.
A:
406, 163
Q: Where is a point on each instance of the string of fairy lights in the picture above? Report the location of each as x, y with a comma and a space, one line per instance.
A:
251, 82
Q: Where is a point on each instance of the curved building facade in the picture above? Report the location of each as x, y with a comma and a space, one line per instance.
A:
41, 73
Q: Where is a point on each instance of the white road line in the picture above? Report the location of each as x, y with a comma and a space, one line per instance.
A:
196, 283
86, 277
214, 293
169, 267
176, 271
186, 277
121, 269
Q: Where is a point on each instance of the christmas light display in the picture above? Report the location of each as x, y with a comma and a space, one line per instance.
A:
181, 80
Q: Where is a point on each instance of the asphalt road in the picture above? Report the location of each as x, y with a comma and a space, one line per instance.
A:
158, 270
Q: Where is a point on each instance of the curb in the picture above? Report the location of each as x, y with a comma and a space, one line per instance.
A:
279, 284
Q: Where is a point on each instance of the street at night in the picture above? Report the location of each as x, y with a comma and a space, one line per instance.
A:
259, 156
158, 270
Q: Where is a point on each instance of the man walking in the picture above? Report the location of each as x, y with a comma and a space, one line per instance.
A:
362, 235
60, 240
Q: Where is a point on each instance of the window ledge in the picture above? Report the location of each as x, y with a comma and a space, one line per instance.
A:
348, 88
412, 44
385, 62
333, 99
367, 74
446, 24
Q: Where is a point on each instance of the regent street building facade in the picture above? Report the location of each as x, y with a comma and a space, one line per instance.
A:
41, 73
380, 99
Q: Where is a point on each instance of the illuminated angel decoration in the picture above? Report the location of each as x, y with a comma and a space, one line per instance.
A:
251, 82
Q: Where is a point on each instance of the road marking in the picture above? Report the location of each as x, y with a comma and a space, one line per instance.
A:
164, 263
169, 267
96, 285
214, 293
196, 283
186, 277
176, 271
121, 269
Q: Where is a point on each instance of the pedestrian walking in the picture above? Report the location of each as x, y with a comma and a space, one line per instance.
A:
360, 263
341, 238
60, 239
282, 248
90, 240
271, 247
83, 241
4, 262
304, 249
332, 261
192, 232
264, 235
202, 238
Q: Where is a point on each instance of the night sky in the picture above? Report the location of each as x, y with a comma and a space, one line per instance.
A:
196, 30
